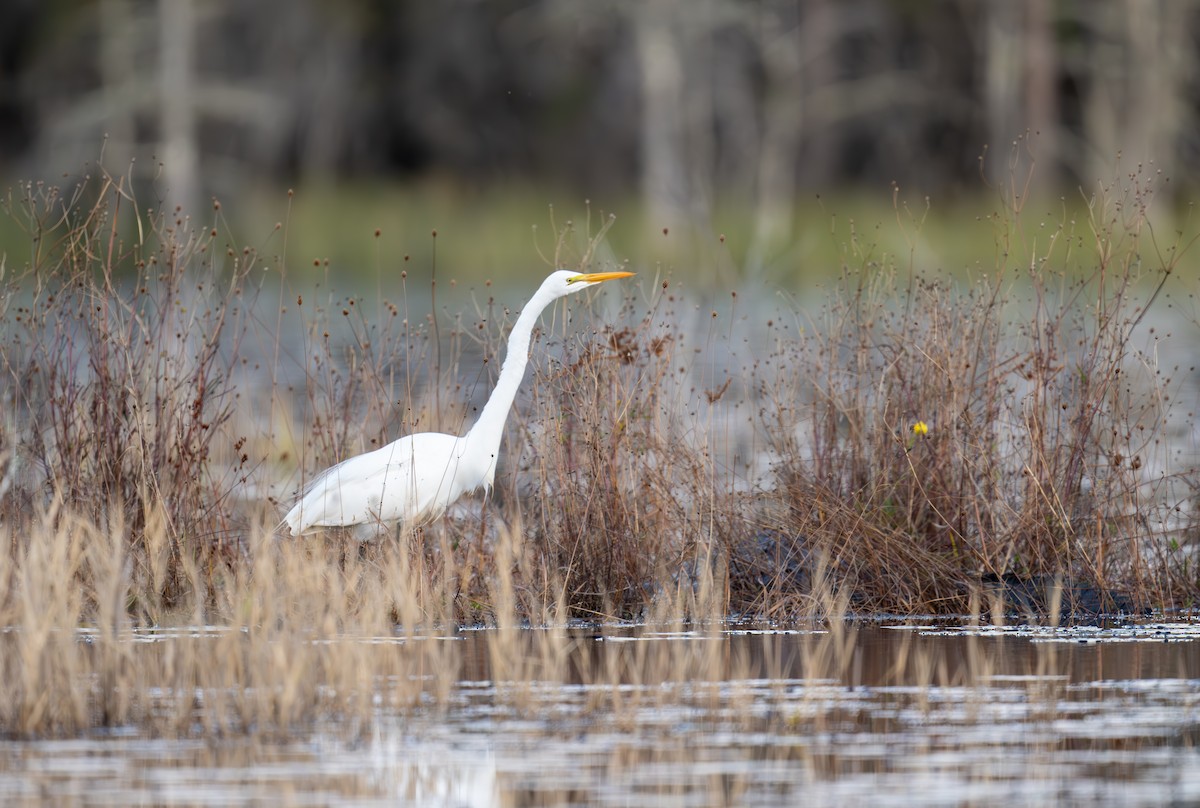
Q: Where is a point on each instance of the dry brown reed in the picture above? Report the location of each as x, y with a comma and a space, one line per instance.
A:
998, 431
167, 387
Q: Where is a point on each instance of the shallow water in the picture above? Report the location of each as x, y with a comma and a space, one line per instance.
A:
725, 715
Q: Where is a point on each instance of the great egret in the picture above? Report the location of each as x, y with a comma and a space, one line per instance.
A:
414, 479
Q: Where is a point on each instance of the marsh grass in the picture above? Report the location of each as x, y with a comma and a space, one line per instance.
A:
168, 388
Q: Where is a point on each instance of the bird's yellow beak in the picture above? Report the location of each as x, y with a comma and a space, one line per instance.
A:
597, 277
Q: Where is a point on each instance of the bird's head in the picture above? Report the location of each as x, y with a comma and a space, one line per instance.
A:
567, 281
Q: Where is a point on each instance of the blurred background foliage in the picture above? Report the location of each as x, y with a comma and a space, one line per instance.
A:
733, 138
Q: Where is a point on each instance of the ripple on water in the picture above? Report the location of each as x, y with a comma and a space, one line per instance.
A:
939, 716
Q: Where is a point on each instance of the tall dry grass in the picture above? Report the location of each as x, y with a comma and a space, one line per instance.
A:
167, 388
1022, 426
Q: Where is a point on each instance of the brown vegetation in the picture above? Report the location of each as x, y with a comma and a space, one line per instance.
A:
928, 441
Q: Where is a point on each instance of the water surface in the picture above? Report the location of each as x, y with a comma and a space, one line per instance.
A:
723, 715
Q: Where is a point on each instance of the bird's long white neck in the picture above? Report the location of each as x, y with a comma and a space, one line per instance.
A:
490, 425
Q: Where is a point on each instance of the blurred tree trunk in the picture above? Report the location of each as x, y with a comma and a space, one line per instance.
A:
1020, 81
1002, 67
1041, 89
1139, 68
116, 67
177, 113
783, 123
1160, 60
664, 170
1020, 88
331, 75
823, 20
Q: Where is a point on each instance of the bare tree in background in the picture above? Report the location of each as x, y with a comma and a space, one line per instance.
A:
1019, 84
1041, 84
664, 168
74, 121
123, 80
117, 74
692, 105
177, 112
1142, 53
784, 45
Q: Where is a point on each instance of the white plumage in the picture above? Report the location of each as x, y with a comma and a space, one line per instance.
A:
414, 479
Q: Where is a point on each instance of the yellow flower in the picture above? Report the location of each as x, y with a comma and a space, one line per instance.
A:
920, 428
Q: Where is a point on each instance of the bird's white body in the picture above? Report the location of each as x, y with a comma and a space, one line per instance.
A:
390, 484
414, 479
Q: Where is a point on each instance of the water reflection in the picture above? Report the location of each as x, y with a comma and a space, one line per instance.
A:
716, 716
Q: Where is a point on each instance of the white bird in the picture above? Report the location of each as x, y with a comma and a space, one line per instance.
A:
414, 479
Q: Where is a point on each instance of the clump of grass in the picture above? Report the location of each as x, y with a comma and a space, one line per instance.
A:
616, 495
306, 643
121, 334
959, 435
